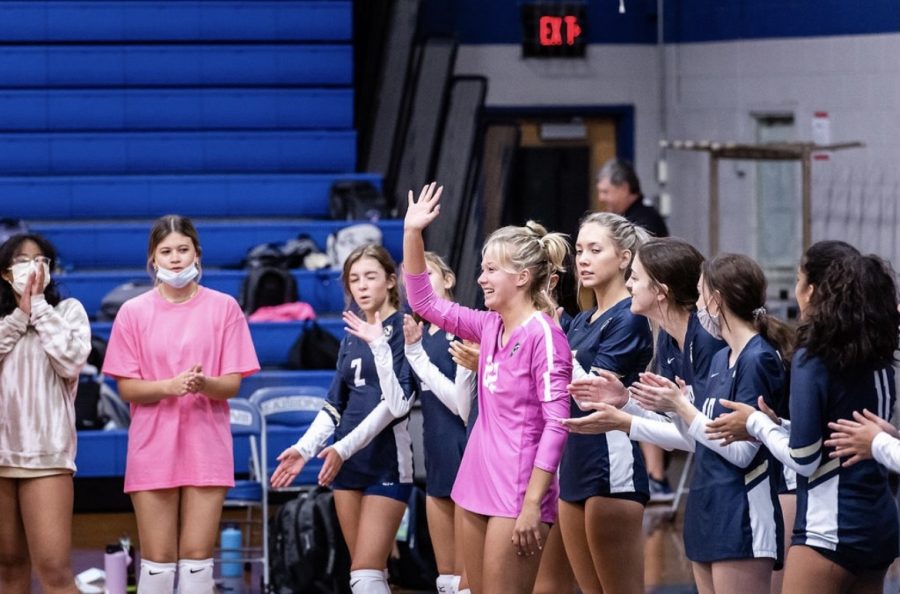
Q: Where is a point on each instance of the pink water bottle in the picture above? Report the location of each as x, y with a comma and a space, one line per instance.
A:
115, 563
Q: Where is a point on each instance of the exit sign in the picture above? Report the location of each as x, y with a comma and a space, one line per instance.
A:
554, 30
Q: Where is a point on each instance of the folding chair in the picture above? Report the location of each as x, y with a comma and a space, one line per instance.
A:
287, 412
247, 431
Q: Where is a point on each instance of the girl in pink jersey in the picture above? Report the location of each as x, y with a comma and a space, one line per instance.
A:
507, 479
179, 353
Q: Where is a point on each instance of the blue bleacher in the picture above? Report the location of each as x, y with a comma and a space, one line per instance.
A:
238, 114
175, 109
175, 20
54, 153
82, 66
225, 242
272, 340
148, 196
322, 289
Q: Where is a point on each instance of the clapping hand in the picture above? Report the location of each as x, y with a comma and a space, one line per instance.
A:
362, 329
412, 331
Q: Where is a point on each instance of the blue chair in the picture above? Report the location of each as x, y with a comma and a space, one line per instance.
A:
247, 431
287, 412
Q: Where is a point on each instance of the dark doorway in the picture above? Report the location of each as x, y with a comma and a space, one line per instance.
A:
550, 185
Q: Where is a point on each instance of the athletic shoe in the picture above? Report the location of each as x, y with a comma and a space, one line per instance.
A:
660, 491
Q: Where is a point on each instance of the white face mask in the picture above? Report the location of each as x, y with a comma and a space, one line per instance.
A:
178, 280
21, 272
710, 323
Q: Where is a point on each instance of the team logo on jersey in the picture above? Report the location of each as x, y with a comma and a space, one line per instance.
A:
491, 372
450, 337
515, 348
388, 330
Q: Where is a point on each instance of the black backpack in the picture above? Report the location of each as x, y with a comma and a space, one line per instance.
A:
356, 200
306, 548
267, 285
112, 301
315, 348
10, 227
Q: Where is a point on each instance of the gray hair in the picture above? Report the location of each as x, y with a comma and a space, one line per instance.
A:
620, 172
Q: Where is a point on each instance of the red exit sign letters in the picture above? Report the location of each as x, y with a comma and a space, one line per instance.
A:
554, 29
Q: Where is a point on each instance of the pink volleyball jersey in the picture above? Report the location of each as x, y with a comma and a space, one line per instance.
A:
186, 440
521, 395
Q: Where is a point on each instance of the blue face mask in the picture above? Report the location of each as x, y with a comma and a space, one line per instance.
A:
178, 280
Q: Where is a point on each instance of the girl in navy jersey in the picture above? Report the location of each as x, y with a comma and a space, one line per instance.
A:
732, 529
603, 482
427, 349
846, 531
367, 411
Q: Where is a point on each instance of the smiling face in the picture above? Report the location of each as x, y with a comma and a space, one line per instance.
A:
646, 295
597, 259
369, 284
175, 252
497, 281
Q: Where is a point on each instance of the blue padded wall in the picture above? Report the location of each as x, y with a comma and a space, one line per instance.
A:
150, 196
175, 109
175, 20
81, 66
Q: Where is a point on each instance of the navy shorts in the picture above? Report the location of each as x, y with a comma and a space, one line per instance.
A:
853, 561
398, 491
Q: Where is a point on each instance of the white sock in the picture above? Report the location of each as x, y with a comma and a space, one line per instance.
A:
456, 580
195, 576
156, 578
445, 583
369, 581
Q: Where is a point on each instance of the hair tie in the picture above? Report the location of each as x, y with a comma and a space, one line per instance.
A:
758, 313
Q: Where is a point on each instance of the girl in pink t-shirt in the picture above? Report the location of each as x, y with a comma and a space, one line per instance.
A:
507, 479
179, 353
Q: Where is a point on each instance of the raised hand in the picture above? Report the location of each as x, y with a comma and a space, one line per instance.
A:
604, 387
412, 331
290, 463
420, 213
363, 330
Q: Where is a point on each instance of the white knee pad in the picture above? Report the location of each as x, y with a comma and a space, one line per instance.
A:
369, 581
156, 578
195, 576
447, 584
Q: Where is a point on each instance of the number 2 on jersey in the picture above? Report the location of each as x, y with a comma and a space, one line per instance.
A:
356, 365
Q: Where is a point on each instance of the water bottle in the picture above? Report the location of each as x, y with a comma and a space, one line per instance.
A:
115, 564
231, 543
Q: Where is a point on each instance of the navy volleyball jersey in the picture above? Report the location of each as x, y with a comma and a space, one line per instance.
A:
692, 364
444, 432
733, 512
354, 393
608, 464
847, 510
